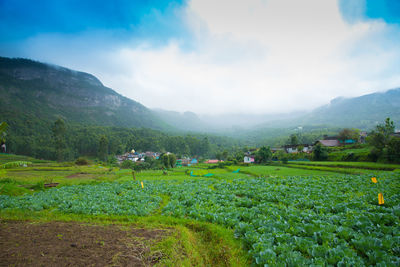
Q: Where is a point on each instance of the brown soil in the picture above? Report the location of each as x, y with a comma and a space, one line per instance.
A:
76, 244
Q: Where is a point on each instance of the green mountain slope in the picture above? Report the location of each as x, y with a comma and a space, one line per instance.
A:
361, 112
31, 90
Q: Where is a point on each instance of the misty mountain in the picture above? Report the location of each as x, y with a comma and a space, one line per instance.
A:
219, 123
31, 90
186, 121
362, 112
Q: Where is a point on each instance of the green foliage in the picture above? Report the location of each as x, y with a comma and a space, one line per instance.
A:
141, 166
14, 164
357, 165
59, 130
165, 160
3, 129
239, 156
81, 161
293, 139
384, 144
263, 155
393, 149
172, 160
320, 152
350, 154
103, 148
127, 164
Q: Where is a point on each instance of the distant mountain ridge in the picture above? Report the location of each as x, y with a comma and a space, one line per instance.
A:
361, 112
29, 88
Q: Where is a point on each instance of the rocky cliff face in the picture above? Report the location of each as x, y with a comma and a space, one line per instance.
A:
51, 91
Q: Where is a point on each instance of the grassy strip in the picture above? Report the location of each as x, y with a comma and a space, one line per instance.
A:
193, 243
279, 170
327, 169
4, 158
359, 165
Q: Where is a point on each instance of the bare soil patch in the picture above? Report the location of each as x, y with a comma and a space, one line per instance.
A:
77, 244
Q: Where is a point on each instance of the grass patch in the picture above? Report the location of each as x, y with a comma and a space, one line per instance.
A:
357, 165
277, 170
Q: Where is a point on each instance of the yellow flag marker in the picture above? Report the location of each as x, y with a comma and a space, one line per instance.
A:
380, 199
373, 179
142, 184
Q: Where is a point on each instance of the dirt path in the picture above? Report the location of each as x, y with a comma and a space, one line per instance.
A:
76, 244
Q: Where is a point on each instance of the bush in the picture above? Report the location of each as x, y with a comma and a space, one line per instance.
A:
320, 153
225, 163
141, 166
81, 161
127, 164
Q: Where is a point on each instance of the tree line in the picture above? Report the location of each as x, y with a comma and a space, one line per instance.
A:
61, 141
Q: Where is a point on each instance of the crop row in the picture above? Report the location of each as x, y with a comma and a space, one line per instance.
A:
282, 221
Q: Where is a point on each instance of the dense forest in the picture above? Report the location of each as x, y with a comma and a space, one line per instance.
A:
42, 139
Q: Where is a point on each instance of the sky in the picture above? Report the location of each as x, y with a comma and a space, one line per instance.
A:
215, 56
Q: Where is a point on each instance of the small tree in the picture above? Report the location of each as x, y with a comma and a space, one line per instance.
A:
127, 164
59, 130
239, 156
172, 160
320, 153
293, 140
165, 160
380, 139
263, 155
225, 155
393, 150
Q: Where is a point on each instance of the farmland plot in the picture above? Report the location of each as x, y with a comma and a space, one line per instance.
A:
281, 220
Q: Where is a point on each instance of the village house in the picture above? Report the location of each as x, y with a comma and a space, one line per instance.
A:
248, 159
306, 148
328, 143
186, 162
213, 161
135, 157
183, 162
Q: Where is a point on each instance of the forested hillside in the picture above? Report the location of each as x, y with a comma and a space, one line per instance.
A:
34, 95
33, 92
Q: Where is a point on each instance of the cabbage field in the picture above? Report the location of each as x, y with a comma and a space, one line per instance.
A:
292, 221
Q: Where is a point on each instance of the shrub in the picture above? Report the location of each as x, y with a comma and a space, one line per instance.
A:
127, 164
81, 161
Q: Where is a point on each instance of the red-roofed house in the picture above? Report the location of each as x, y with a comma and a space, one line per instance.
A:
211, 161
329, 143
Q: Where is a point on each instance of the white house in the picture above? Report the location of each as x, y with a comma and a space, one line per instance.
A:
248, 159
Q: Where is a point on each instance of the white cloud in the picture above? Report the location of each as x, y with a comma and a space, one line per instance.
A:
256, 56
